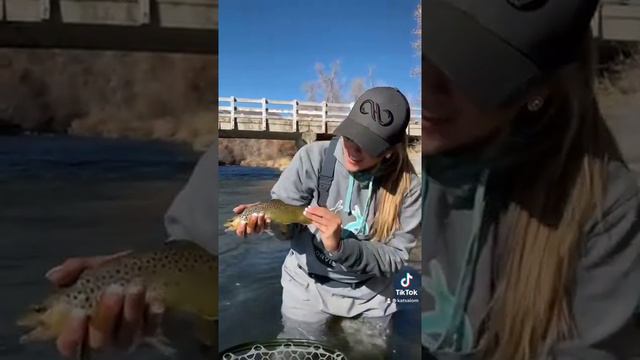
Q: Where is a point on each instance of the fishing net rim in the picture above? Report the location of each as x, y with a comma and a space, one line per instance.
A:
303, 343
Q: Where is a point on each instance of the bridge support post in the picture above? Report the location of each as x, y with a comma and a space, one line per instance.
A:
265, 111
325, 112
45, 9
145, 11
306, 138
294, 123
234, 107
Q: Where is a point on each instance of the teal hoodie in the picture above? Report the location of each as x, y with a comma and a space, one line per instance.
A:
459, 258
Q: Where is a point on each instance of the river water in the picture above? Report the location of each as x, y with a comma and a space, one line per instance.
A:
250, 290
66, 196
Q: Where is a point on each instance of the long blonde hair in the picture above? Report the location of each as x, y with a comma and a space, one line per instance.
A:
553, 197
395, 177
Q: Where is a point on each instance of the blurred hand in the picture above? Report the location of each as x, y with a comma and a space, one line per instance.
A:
121, 317
329, 224
257, 222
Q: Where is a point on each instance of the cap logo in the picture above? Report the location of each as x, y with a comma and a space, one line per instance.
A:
527, 5
374, 111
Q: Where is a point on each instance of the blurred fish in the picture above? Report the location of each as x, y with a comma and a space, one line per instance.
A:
278, 211
181, 276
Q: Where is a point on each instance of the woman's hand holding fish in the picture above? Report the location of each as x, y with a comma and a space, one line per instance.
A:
256, 224
329, 224
120, 316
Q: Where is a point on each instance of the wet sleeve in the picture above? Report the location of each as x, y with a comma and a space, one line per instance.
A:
193, 215
371, 257
607, 290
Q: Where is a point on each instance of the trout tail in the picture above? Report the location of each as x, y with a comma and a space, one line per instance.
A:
231, 224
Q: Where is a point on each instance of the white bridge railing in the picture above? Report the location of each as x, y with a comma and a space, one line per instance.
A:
184, 14
290, 116
617, 20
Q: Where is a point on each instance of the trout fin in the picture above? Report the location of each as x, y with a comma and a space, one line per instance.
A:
40, 333
231, 224
34, 317
41, 323
30, 320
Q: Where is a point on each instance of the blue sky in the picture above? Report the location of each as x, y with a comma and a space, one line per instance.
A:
270, 48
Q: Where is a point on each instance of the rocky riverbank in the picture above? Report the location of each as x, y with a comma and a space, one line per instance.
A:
171, 97
109, 94
275, 154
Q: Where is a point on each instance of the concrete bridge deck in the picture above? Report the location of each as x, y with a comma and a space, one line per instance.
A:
287, 120
185, 26
617, 20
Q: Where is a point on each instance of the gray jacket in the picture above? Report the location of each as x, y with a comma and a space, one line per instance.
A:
607, 288
193, 215
358, 258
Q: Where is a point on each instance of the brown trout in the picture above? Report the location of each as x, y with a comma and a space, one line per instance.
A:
181, 276
278, 211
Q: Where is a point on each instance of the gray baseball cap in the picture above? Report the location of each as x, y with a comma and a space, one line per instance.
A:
377, 121
495, 50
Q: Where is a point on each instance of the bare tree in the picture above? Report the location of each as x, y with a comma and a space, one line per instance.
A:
311, 88
371, 80
357, 88
327, 86
330, 82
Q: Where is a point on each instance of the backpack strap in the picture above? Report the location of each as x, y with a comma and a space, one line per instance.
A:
325, 177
